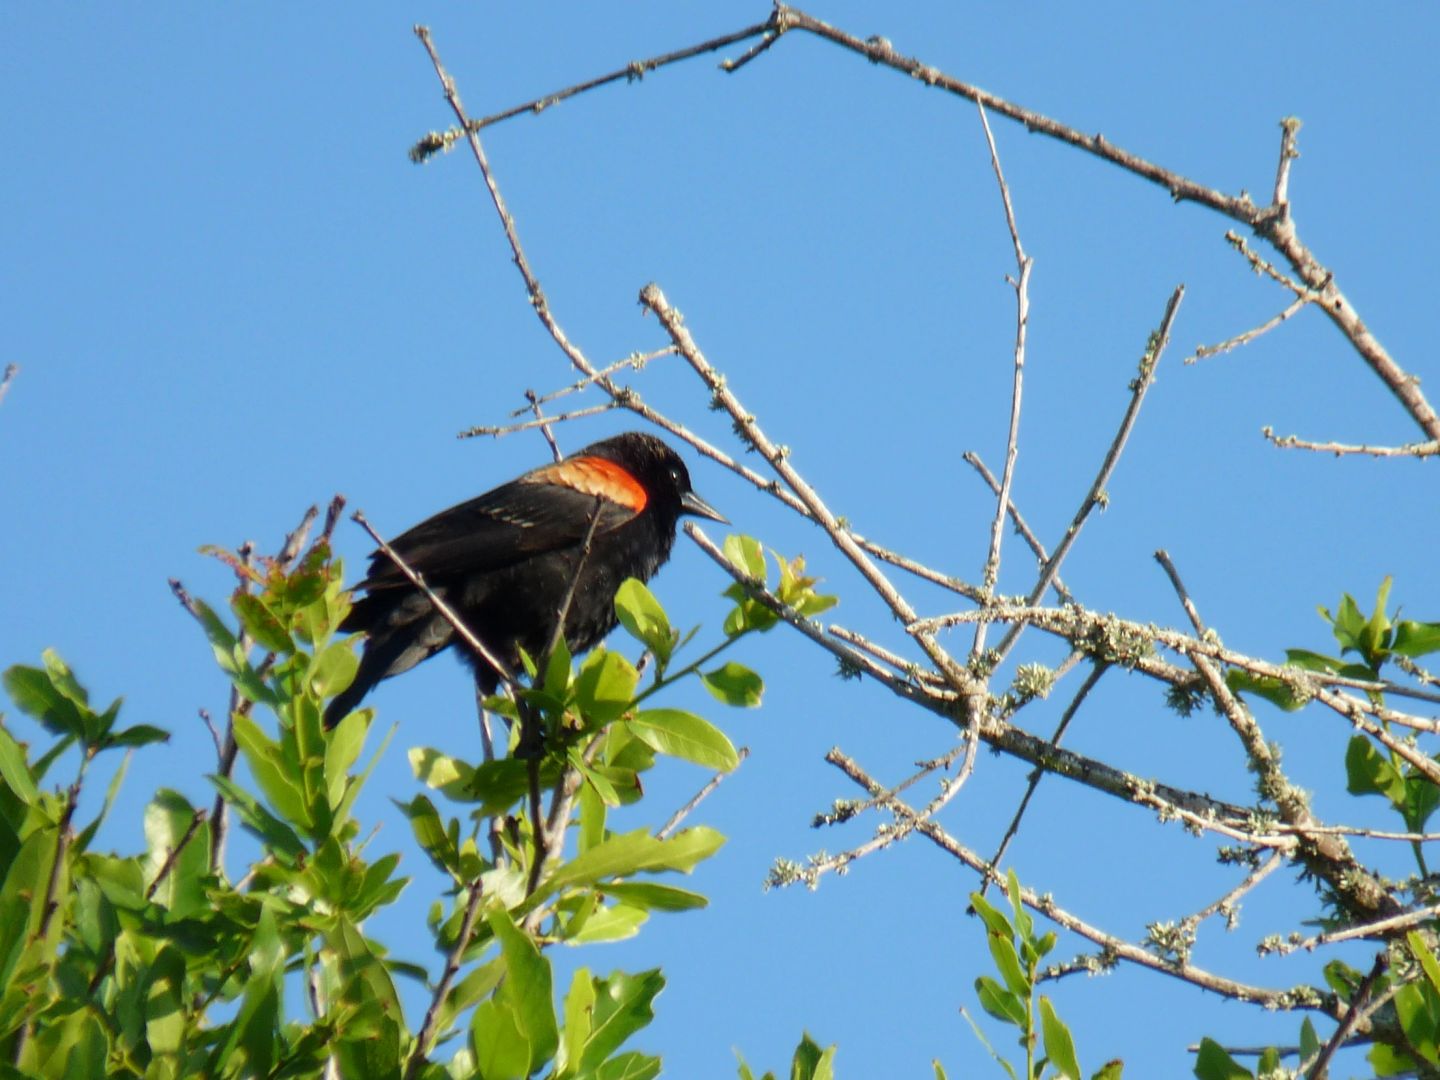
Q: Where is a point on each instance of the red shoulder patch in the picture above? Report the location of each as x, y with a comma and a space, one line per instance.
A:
595, 476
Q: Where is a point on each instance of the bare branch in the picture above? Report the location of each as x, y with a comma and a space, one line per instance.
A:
1294, 442
1149, 361
442, 988
700, 796
1021, 282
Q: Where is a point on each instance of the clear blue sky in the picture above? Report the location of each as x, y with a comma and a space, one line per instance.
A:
232, 295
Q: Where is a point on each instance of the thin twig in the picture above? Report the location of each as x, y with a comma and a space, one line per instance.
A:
497, 430
11, 370
1203, 351
446, 611
238, 705
699, 797
531, 746
1294, 442
1021, 283
732, 66
1021, 526
635, 361
1289, 128
1036, 774
452, 965
173, 855
1149, 361
1318, 1068
1227, 902
632, 72
1192, 613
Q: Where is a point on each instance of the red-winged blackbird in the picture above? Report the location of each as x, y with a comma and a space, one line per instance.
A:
504, 562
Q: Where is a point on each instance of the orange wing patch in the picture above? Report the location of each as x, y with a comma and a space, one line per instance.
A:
595, 476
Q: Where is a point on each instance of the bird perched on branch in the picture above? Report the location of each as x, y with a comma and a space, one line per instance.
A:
505, 562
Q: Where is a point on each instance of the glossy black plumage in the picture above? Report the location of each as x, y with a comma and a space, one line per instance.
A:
505, 559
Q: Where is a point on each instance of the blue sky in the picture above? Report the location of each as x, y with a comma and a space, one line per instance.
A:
231, 295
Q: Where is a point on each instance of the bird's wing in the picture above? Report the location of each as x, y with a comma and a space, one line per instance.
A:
541, 512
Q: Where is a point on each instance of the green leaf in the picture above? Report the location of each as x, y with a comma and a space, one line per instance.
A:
465, 993
686, 736
430, 833
631, 1065
632, 853
138, 735
1276, 691
168, 821
1000, 1003
165, 1006
232, 658
1213, 1063
444, 773
592, 818
1313, 661
579, 1006
614, 923
734, 684
1007, 962
343, 744
1059, 1046
1111, 1070
746, 554
268, 766
644, 619
500, 1048
498, 785
1416, 638
36, 695
256, 1024
809, 1062
262, 624
557, 672
15, 770
596, 782
605, 686
654, 896
1425, 957
1309, 1041
1368, 772
994, 920
527, 988
1373, 638
622, 1007
277, 835
331, 670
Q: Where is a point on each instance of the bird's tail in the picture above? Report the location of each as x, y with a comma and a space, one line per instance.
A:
389, 651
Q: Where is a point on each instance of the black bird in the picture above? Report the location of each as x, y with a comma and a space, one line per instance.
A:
504, 562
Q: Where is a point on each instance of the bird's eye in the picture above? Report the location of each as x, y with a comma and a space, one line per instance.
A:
675, 475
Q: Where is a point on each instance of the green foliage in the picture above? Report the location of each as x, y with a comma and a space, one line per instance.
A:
1014, 999
809, 1062
157, 964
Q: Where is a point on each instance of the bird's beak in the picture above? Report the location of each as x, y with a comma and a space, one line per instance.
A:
690, 503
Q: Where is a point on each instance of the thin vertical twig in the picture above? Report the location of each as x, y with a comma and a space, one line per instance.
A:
1021, 284
1038, 772
1154, 349
452, 966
